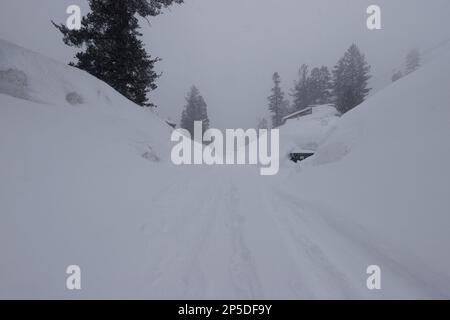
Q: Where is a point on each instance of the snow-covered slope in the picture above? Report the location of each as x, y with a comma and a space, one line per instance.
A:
385, 166
74, 175
43, 82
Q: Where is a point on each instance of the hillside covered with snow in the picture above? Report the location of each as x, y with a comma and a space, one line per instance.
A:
384, 166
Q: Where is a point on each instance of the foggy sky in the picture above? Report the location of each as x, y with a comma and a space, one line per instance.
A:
230, 48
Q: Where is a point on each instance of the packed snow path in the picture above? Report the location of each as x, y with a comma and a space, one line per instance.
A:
249, 237
206, 233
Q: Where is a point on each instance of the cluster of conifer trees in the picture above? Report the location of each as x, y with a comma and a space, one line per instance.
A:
346, 86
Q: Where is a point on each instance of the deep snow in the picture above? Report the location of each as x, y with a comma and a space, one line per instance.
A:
86, 179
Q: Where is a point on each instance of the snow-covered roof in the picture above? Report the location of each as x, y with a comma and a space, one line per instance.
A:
301, 150
298, 113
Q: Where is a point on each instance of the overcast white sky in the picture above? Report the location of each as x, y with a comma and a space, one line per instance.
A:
230, 48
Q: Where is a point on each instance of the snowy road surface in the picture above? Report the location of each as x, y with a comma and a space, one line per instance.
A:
251, 238
246, 237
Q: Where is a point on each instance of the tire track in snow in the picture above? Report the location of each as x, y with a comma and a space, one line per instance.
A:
242, 269
275, 266
177, 271
194, 279
309, 255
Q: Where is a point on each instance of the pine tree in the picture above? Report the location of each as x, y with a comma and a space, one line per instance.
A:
412, 61
194, 110
319, 86
263, 124
325, 86
397, 75
278, 105
350, 80
112, 50
302, 95
314, 88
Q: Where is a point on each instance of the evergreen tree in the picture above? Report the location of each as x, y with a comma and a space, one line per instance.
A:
397, 75
112, 50
194, 110
314, 86
325, 86
278, 105
301, 94
412, 61
350, 80
319, 86
263, 124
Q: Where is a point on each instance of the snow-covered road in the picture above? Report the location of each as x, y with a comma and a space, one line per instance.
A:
251, 237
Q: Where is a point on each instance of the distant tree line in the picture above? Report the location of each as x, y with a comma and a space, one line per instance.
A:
412, 63
346, 86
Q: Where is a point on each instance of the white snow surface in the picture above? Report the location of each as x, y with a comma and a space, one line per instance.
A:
87, 180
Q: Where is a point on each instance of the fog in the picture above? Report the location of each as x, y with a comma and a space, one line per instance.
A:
230, 48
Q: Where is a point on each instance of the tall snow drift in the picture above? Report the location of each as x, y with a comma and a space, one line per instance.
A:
385, 165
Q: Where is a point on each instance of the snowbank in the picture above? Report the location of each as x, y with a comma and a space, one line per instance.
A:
30, 76
385, 166
79, 165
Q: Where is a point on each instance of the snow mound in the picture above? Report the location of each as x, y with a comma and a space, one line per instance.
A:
14, 83
307, 132
78, 165
74, 98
